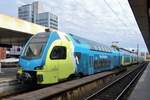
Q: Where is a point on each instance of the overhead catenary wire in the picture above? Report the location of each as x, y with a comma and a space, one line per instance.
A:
126, 16
107, 4
123, 10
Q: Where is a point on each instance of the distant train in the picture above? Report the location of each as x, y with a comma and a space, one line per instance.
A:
50, 57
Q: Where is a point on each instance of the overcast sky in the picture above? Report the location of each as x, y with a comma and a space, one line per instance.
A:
104, 21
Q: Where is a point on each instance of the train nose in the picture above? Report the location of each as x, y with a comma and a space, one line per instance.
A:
25, 77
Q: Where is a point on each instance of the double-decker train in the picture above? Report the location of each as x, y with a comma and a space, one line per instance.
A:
50, 57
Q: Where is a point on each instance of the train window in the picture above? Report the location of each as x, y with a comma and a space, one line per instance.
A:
58, 52
106, 49
110, 49
33, 50
94, 47
103, 49
103, 60
35, 47
99, 48
103, 63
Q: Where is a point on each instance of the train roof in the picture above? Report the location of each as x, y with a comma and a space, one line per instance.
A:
93, 45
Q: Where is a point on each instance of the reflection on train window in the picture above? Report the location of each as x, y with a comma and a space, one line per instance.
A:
34, 50
58, 52
36, 46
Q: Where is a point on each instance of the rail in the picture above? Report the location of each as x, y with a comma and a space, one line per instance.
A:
71, 90
116, 89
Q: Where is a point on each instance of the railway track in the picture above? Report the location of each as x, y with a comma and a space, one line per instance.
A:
118, 89
70, 90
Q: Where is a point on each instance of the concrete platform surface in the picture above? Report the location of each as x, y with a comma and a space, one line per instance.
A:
142, 89
6, 80
7, 74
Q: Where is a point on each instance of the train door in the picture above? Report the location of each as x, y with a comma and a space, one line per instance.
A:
62, 60
118, 57
66, 63
61, 63
59, 56
52, 62
85, 64
91, 69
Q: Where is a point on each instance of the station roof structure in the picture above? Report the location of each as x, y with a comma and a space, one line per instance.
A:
14, 31
141, 10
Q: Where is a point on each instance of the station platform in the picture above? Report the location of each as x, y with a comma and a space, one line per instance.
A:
7, 74
142, 89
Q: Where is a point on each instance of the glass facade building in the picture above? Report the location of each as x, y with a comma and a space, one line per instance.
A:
25, 12
34, 13
47, 19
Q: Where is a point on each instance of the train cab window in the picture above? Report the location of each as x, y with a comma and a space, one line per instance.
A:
58, 52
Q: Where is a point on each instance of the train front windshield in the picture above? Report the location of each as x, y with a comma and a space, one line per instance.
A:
36, 46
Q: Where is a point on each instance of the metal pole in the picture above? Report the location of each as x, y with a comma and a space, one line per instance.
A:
137, 52
0, 66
